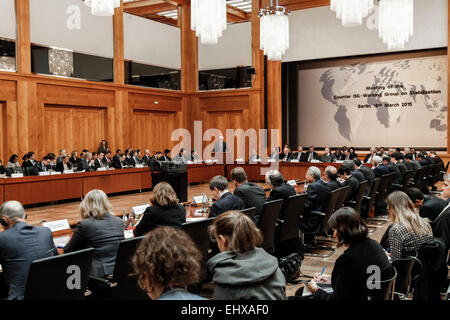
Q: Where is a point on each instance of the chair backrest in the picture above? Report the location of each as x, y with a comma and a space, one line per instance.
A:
406, 178
250, 212
198, 231
359, 195
404, 267
289, 227
426, 173
31, 171
383, 189
331, 207
343, 192
268, 221
127, 287
370, 198
446, 167
383, 289
437, 170
63, 277
418, 179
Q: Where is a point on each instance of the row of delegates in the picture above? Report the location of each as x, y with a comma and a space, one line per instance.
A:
167, 261
337, 155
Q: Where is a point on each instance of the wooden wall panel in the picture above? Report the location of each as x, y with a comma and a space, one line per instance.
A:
73, 128
152, 130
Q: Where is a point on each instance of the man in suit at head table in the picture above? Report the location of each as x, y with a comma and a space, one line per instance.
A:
285, 155
119, 161
20, 245
368, 158
65, 164
328, 157
220, 146
166, 156
146, 157
42, 165
100, 162
299, 155
311, 155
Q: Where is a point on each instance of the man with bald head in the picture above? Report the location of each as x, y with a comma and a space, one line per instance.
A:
330, 177
20, 245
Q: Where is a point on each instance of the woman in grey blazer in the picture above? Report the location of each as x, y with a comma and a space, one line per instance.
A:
100, 230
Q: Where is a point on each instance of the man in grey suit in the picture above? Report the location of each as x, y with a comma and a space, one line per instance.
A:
328, 157
252, 194
20, 245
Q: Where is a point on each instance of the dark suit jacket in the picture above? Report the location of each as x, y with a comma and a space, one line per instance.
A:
217, 147
154, 216
366, 158
19, 247
252, 195
369, 175
334, 185
319, 193
381, 170
285, 157
226, 203
117, 164
302, 158
358, 175
40, 167
353, 182
328, 158
98, 165
145, 160
349, 276
432, 207
102, 235
283, 191
60, 166
398, 178
441, 227
315, 156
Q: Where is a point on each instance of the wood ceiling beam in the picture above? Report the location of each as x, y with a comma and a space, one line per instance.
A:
298, 4
236, 15
152, 9
162, 19
146, 3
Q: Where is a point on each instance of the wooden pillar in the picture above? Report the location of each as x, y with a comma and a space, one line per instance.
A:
258, 60
274, 99
23, 47
189, 51
448, 82
119, 60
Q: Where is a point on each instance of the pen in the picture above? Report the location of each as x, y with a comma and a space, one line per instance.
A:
323, 270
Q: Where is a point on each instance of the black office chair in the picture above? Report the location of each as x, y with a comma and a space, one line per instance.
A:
343, 193
383, 289
288, 227
123, 285
418, 179
268, 222
31, 171
250, 212
357, 201
443, 172
404, 268
405, 182
63, 277
314, 249
380, 199
198, 231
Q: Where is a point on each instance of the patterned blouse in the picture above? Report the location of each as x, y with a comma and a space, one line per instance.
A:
402, 243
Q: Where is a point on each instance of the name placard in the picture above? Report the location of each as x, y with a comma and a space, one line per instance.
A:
240, 160
68, 171
57, 225
292, 183
17, 175
295, 161
44, 173
199, 199
139, 166
101, 169
53, 173
189, 162
138, 210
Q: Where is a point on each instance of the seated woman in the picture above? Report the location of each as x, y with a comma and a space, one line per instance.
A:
14, 164
164, 210
410, 231
349, 277
165, 262
100, 230
241, 271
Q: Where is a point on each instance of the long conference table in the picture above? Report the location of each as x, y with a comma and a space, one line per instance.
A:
30, 190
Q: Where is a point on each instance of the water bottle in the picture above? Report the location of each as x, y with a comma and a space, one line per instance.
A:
204, 203
125, 218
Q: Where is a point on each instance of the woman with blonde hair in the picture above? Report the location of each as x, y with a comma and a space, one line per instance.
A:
242, 271
409, 231
98, 229
164, 210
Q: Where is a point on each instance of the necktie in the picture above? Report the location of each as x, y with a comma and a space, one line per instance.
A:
310, 157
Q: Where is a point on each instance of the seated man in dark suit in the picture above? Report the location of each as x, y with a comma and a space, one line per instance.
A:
441, 225
42, 165
354, 171
311, 155
251, 194
157, 157
328, 157
345, 173
166, 156
64, 164
429, 207
398, 178
423, 160
319, 193
368, 158
378, 167
330, 177
146, 157
285, 155
119, 161
20, 245
99, 162
225, 201
368, 173
299, 155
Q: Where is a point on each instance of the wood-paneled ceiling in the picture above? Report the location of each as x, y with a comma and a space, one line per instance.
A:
166, 11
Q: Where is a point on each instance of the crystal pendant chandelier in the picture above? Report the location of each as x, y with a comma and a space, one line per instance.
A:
274, 30
351, 12
102, 7
208, 19
396, 22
